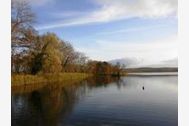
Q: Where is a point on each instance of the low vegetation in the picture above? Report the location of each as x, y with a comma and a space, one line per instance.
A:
18, 80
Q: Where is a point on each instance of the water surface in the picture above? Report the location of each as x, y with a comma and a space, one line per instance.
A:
99, 101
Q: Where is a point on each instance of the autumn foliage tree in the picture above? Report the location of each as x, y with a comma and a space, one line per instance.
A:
103, 68
51, 61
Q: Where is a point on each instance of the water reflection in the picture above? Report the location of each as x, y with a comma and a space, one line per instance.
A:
46, 105
73, 103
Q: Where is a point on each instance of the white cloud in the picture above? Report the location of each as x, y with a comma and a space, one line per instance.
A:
68, 14
112, 10
137, 8
133, 29
148, 53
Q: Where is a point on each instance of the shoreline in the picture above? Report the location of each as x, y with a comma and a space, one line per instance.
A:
27, 79
152, 74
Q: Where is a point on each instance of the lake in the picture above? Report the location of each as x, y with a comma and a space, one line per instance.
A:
98, 101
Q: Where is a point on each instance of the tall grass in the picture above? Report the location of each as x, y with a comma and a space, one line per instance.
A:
17, 80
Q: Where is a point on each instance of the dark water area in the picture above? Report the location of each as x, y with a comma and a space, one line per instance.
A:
98, 101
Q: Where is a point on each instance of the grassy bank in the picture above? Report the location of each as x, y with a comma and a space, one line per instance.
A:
17, 80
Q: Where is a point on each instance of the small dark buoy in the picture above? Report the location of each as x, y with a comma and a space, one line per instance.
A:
143, 87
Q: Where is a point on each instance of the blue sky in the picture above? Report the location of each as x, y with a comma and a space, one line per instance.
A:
111, 29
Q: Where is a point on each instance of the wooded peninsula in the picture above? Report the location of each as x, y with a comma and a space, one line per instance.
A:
37, 58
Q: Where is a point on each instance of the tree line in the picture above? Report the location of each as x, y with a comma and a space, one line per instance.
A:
32, 53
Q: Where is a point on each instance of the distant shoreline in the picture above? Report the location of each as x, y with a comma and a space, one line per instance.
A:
153, 74
151, 70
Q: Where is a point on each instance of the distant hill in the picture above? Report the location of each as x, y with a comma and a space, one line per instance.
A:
149, 69
143, 63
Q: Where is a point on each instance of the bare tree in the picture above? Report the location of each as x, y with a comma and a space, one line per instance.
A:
68, 54
23, 34
22, 18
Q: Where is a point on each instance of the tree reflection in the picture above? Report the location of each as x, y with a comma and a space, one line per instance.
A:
45, 106
52, 103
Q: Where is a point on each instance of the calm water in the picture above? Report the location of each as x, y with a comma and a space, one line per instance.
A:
129, 101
